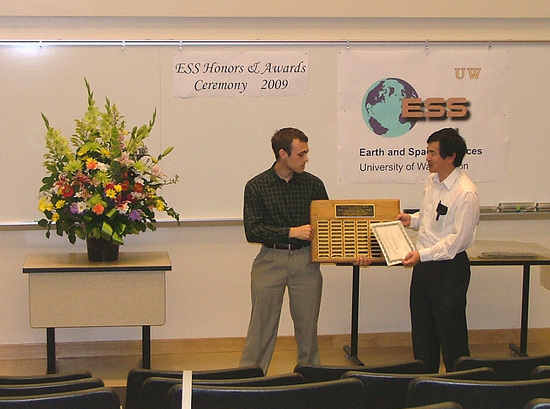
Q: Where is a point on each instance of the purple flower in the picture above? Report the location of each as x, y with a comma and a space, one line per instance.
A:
78, 207
134, 215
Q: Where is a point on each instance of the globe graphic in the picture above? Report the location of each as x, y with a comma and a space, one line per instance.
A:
382, 107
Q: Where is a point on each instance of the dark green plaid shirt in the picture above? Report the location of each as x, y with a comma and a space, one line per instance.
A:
272, 206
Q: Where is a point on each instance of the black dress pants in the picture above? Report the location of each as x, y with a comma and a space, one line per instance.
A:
438, 311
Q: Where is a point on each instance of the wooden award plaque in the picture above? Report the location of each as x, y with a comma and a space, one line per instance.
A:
342, 228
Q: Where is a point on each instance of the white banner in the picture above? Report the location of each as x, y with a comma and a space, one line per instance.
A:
390, 101
234, 73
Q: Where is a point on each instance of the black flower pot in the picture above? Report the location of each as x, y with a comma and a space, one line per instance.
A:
101, 249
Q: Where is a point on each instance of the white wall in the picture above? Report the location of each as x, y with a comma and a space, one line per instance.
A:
208, 289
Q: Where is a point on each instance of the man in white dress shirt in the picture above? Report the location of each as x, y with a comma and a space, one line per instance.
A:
446, 224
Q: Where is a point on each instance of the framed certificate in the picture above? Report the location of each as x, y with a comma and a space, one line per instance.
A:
394, 241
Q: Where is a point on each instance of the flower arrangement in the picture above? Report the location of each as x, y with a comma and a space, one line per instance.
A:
106, 185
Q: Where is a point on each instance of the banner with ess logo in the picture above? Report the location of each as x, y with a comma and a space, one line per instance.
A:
390, 101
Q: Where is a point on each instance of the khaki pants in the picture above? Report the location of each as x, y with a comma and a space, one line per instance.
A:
273, 271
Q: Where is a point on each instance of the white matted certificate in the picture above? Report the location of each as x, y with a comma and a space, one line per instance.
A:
394, 241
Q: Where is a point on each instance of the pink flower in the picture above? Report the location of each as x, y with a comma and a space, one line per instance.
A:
156, 171
125, 159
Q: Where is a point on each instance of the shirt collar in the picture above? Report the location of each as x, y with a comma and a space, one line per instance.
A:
273, 174
449, 180
276, 178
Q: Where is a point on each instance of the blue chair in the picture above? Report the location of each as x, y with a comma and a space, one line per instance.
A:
97, 398
507, 369
389, 391
541, 372
155, 389
48, 378
320, 373
540, 403
476, 394
137, 376
51, 387
339, 394
442, 405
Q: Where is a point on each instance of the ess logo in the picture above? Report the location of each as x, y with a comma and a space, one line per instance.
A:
435, 108
392, 106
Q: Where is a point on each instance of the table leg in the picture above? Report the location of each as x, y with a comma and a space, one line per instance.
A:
522, 350
146, 347
50, 351
352, 351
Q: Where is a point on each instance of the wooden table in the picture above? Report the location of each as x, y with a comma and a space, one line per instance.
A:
66, 290
483, 253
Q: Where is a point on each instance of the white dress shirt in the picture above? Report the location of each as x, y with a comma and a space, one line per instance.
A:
443, 237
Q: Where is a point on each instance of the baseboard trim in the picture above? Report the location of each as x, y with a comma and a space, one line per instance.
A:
197, 345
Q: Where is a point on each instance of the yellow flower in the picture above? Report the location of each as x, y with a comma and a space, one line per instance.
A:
110, 193
118, 188
59, 204
44, 204
159, 205
55, 217
83, 150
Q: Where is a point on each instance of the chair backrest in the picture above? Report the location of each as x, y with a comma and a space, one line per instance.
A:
339, 394
541, 372
98, 398
507, 369
155, 389
33, 379
137, 376
389, 391
442, 405
476, 394
321, 373
292, 378
539, 403
51, 387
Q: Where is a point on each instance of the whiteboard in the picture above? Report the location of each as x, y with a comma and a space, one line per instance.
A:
220, 143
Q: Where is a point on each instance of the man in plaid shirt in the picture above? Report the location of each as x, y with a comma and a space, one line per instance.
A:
277, 215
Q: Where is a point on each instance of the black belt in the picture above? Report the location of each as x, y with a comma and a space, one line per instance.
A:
289, 246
